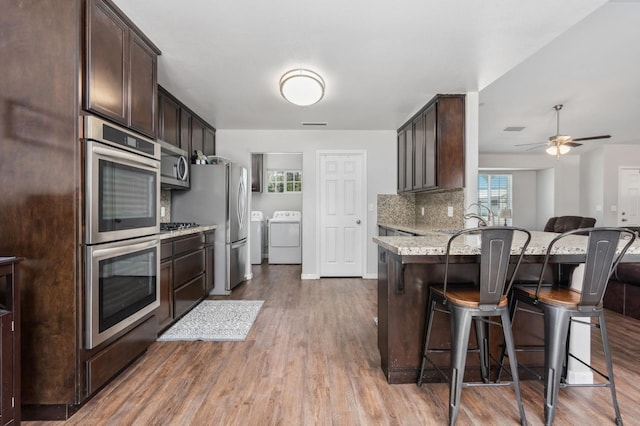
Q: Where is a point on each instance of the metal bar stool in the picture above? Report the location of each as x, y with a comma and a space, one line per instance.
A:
477, 303
559, 305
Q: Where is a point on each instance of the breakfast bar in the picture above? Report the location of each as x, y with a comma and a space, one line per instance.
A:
408, 266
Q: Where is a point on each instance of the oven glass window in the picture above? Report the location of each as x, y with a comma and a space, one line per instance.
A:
127, 284
127, 197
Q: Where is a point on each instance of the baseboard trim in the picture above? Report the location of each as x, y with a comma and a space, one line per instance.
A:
309, 277
370, 276
580, 377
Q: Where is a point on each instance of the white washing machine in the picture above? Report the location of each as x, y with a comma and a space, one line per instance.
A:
255, 237
285, 237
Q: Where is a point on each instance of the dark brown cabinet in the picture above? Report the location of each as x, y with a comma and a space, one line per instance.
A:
121, 69
185, 130
431, 146
257, 162
186, 275
169, 129
9, 341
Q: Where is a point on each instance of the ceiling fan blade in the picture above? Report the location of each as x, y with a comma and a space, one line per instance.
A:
572, 144
534, 143
590, 138
532, 148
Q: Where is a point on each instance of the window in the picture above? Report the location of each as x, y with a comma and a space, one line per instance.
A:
494, 191
284, 181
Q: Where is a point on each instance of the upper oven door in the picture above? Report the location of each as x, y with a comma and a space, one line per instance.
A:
122, 194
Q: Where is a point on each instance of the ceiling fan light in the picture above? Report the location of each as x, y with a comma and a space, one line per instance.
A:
302, 87
558, 150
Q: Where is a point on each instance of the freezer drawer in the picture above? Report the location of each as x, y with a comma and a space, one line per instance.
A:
238, 257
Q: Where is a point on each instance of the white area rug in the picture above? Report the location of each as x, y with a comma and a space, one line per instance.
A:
218, 320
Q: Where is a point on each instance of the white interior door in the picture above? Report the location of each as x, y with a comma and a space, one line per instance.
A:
342, 214
629, 198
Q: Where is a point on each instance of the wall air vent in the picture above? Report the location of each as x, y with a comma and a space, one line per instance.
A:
514, 129
314, 123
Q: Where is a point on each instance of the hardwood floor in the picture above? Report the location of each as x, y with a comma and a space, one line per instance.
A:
311, 358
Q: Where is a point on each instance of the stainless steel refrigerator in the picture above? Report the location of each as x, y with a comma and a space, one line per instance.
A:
218, 195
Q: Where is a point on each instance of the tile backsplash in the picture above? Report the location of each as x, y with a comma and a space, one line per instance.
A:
165, 201
406, 209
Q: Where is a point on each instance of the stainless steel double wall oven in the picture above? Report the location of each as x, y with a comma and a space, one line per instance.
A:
122, 223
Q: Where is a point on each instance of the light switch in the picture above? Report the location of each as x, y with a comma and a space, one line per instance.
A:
614, 208
450, 211
370, 207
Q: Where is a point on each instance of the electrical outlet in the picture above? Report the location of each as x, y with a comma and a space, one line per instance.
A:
422, 211
614, 208
162, 211
450, 211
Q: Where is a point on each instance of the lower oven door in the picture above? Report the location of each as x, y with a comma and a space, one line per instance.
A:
122, 286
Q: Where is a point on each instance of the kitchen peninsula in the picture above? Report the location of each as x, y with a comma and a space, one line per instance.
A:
407, 266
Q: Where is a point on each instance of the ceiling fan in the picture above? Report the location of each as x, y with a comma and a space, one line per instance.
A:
561, 144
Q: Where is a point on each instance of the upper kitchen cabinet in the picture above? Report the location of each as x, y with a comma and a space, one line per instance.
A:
120, 69
431, 146
169, 119
203, 136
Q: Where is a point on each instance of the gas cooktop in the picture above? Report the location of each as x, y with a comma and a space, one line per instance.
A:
175, 226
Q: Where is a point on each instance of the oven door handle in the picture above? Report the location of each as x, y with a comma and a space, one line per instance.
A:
124, 249
125, 156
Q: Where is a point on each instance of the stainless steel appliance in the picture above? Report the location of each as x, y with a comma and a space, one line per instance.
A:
122, 285
218, 195
174, 169
122, 189
122, 223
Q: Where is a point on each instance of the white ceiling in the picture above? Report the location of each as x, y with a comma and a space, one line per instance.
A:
382, 61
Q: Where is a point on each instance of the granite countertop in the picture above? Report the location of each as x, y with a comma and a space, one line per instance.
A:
435, 243
416, 229
180, 232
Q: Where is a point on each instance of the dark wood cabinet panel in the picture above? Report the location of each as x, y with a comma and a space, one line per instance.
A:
431, 146
188, 296
257, 162
107, 69
165, 310
187, 267
197, 134
185, 131
168, 119
143, 86
209, 269
209, 142
9, 342
419, 152
121, 70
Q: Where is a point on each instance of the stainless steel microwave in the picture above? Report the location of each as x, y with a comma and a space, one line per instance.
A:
174, 169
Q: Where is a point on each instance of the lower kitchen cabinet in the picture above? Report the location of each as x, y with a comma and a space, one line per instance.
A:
9, 341
186, 275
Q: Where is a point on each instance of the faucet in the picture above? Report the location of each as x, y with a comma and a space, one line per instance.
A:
481, 220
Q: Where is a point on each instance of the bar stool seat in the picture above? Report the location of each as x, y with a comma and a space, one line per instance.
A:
476, 304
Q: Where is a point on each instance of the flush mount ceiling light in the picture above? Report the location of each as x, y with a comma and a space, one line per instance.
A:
302, 87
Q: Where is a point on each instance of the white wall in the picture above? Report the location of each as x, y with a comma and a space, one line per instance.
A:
238, 145
524, 184
545, 197
592, 178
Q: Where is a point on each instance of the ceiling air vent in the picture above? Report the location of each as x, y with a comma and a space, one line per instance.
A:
514, 129
314, 123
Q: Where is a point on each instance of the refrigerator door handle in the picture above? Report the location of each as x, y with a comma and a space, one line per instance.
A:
241, 204
237, 244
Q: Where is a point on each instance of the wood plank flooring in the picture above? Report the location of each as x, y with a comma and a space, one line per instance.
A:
311, 358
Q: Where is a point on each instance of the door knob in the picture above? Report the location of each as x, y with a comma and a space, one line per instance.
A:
358, 221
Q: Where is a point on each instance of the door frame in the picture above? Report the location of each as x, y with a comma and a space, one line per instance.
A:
619, 200
365, 223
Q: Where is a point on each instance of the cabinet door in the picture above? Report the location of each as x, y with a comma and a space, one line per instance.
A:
419, 153
256, 172
106, 91
168, 120
430, 155
209, 143
408, 162
165, 310
185, 131
197, 134
450, 142
402, 147
209, 270
143, 86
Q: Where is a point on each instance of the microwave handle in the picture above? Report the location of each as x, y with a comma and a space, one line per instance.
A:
183, 169
124, 249
113, 153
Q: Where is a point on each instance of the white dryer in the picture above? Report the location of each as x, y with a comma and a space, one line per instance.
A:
285, 237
